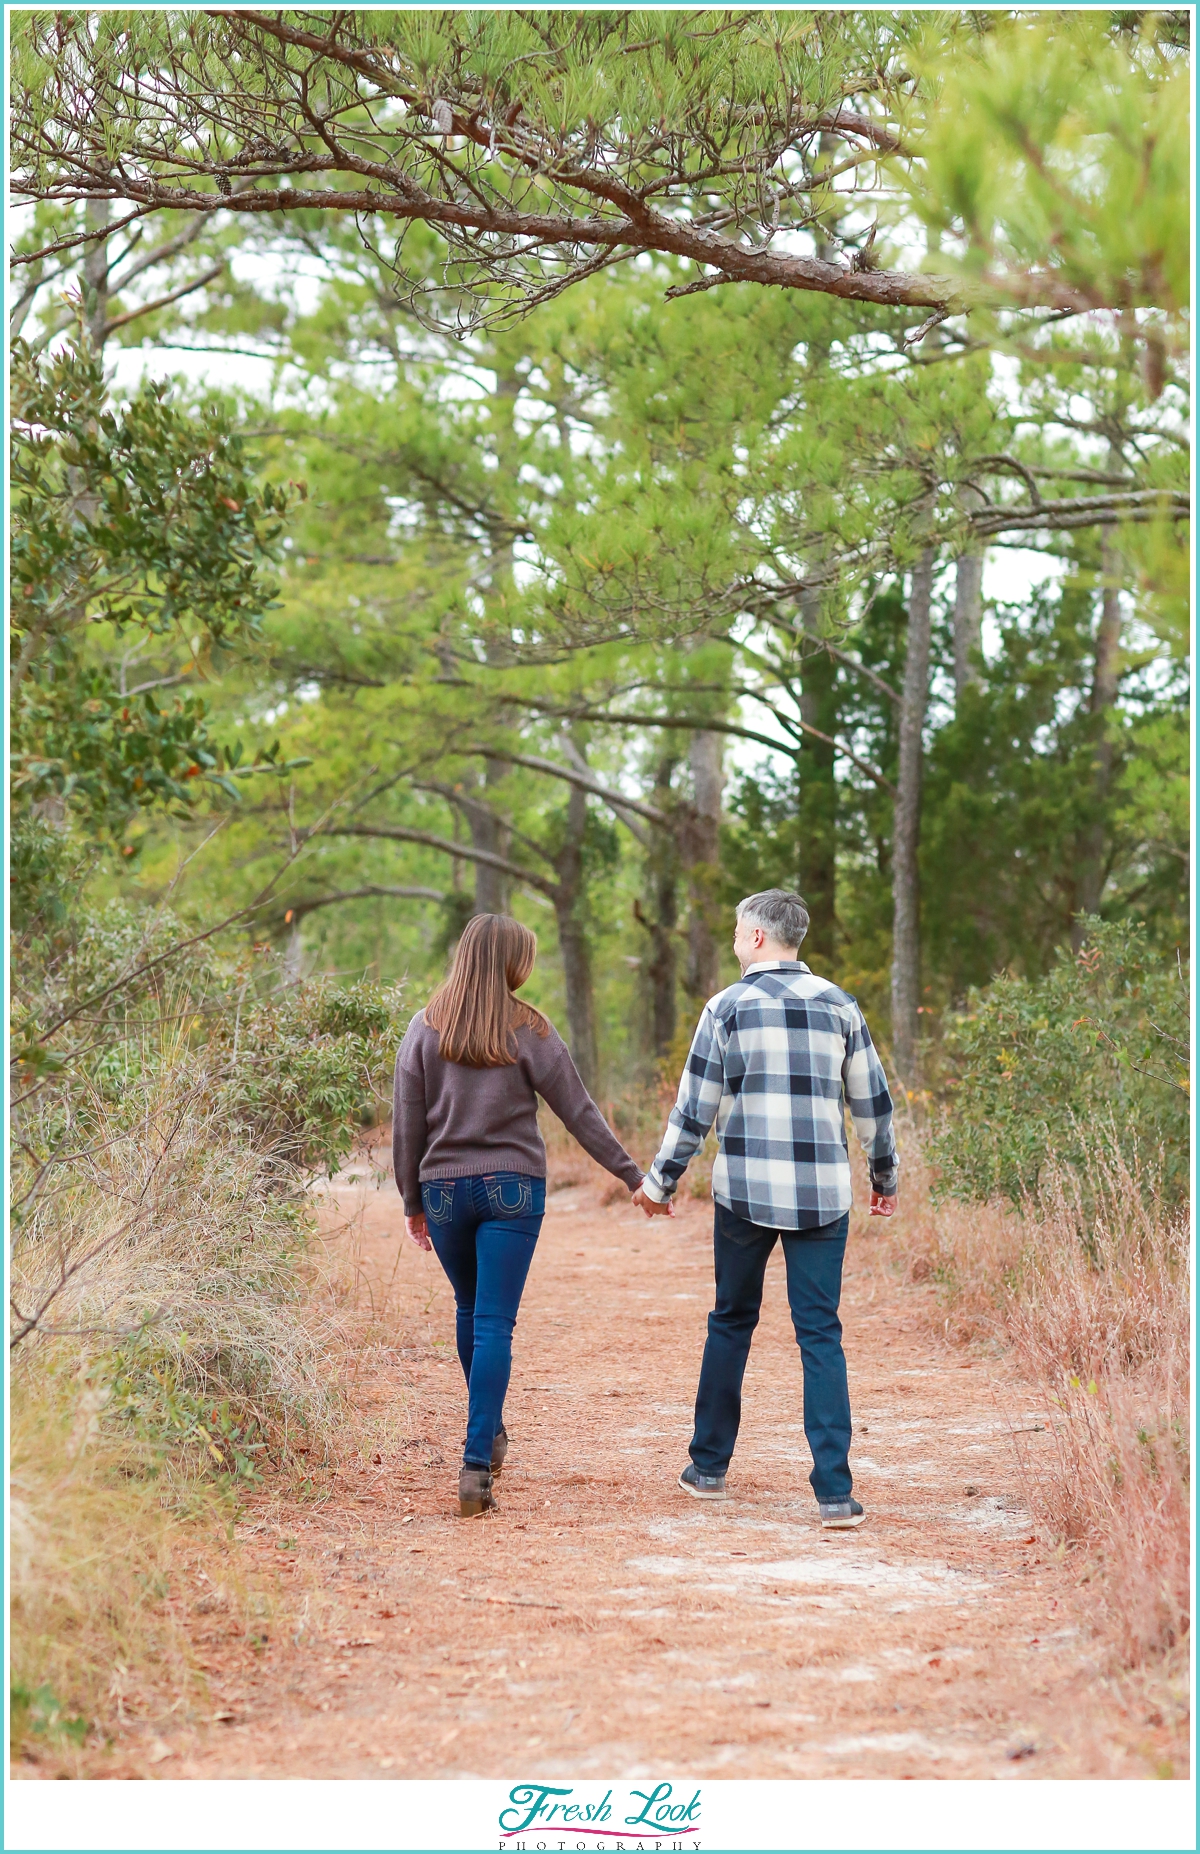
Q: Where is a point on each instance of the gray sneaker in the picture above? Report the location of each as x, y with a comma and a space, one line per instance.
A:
702, 1486
841, 1515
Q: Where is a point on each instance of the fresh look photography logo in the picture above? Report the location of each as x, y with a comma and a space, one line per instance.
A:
549, 1816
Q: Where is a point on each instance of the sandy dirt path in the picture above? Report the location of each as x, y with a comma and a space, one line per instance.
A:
603, 1623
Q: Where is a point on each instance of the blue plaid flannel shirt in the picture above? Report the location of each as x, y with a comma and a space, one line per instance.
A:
775, 1061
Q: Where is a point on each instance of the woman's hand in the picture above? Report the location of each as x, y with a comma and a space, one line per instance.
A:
650, 1206
881, 1205
418, 1230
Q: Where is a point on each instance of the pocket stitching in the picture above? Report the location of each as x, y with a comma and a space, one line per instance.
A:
495, 1196
439, 1203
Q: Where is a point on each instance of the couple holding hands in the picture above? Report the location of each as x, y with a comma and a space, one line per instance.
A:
776, 1059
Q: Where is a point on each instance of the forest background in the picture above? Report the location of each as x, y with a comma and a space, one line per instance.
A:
550, 465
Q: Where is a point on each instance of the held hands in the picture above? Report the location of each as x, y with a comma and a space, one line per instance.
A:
882, 1206
418, 1230
650, 1207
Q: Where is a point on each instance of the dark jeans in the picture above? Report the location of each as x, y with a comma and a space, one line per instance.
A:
814, 1281
484, 1231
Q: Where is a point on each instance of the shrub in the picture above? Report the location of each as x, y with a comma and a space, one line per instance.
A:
165, 1275
1099, 1044
140, 522
162, 1151
305, 1067
168, 1351
300, 1066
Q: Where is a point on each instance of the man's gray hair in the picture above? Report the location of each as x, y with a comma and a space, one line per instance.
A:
780, 912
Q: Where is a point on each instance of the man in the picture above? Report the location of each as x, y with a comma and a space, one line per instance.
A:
775, 1060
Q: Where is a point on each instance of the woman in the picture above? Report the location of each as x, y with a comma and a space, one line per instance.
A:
471, 1164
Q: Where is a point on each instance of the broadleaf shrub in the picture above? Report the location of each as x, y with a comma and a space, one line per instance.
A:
1041, 1069
304, 1068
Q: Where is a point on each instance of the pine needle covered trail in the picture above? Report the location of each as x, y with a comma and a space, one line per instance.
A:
602, 1623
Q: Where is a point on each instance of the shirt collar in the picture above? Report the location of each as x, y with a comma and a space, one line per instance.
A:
776, 965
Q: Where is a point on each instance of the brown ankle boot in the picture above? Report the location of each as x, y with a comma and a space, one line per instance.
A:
499, 1450
475, 1492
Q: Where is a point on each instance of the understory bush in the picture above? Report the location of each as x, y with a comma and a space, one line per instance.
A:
305, 1066
172, 1339
1091, 1057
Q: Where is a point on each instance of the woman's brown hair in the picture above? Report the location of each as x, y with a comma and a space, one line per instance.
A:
474, 1011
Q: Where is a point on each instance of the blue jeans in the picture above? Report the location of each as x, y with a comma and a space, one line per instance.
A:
484, 1231
814, 1282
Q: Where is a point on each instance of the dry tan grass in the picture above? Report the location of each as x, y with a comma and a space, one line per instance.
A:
98, 1580
175, 1336
1091, 1293
174, 1264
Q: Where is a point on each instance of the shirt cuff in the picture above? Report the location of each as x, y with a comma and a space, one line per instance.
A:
653, 1191
886, 1183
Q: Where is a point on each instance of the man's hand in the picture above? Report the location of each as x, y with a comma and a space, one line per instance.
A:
882, 1206
418, 1230
651, 1208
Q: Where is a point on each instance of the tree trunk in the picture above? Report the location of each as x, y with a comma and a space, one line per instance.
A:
968, 619
1090, 872
492, 887
817, 809
663, 883
95, 276
660, 969
573, 942
906, 830
577, 981
702, 859
487, 833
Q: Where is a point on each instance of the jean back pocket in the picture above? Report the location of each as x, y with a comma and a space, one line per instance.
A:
509, 1194
438, 1200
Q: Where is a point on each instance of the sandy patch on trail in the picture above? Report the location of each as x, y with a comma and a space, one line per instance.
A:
604, 1624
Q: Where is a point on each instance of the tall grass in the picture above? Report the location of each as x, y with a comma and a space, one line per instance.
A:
98, 1584
171, 1345
168, 1272
1088, 1286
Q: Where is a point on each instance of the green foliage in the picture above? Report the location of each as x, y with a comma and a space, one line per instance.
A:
1060, 133
760, 839
86, 946
297, 1068
1048, 151
707, 105
40, 1711
581, 535
133, 528
105, 753
305, 1068
1010, 793
45, 868
153, 1399
140, 516
1095, 1049
658, 527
